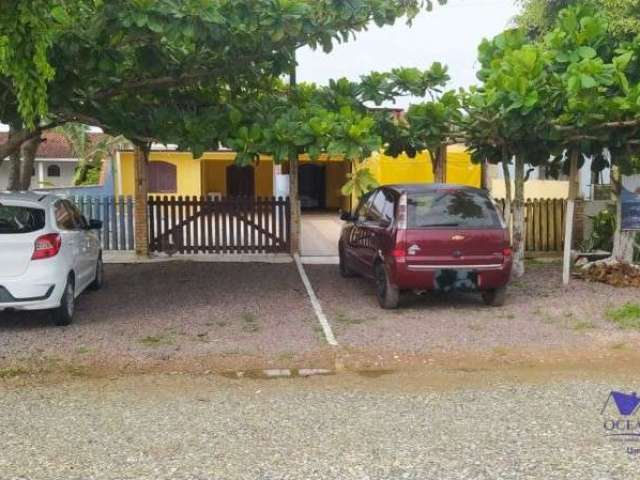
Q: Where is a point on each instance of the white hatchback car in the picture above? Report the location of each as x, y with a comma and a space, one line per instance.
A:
49, 254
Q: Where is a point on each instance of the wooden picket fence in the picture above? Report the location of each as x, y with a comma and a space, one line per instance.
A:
544, 224
192, 225
116, 214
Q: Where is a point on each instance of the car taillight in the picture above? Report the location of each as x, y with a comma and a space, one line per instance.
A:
402, 212
399, 253
507, 252
46, 246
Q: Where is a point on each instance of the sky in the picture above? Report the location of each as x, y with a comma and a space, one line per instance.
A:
449, 34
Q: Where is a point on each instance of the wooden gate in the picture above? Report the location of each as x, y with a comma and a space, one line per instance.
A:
193, 225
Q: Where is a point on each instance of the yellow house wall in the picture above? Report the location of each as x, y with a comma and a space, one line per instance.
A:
264, 178
208, 174
533, 188
403, 169
187, 171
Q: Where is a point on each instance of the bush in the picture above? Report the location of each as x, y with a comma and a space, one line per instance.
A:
604, 229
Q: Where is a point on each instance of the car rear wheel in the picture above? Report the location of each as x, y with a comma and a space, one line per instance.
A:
345, 270
387, 293
495, 297
98, 281
63, 315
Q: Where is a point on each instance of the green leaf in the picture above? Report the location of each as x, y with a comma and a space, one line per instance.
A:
587, 52
588, 81
59, 14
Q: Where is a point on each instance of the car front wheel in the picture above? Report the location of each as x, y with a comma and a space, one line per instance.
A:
387, 293
495, 297
63, 315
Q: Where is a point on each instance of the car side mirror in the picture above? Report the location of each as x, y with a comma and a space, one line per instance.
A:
95, 225
347, 217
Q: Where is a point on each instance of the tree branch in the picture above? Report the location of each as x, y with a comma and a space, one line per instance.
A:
15, 141
611, 125
94, 122
167, 81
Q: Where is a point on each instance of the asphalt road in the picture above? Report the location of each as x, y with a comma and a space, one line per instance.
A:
421, 425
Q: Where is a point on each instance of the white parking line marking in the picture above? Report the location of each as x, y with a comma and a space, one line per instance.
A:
315, 303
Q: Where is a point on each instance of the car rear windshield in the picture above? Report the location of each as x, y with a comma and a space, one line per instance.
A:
20, 219
452, 208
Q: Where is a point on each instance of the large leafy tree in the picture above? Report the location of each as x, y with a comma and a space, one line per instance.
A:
337, 119
113, 61
507, 118
174, 72
572, 93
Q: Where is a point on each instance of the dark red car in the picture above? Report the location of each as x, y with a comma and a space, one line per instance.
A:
428, 237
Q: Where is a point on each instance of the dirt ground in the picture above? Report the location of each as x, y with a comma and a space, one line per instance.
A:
195, 317
174, 315
539, 314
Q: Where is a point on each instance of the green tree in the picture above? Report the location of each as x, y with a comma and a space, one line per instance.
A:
570, 94
507, 118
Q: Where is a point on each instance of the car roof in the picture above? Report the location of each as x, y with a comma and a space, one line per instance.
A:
29, 199
430, 187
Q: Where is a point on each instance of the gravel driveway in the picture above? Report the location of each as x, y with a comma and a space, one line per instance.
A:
539, 314
411, 426
178, 315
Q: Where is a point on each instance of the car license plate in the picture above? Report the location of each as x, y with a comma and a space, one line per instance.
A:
449, 280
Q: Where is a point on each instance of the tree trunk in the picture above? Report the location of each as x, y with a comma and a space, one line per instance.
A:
507, 189
141, 199
13, 183
518, 220
294, 179
440, 164
568, 232
623, 241
29, 150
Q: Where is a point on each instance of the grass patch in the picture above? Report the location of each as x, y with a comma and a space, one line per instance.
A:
12, 372
501, 351
250, 322
76, 370
348, 320
618, 346
155, 341
627, 316
83, 350
583, 325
